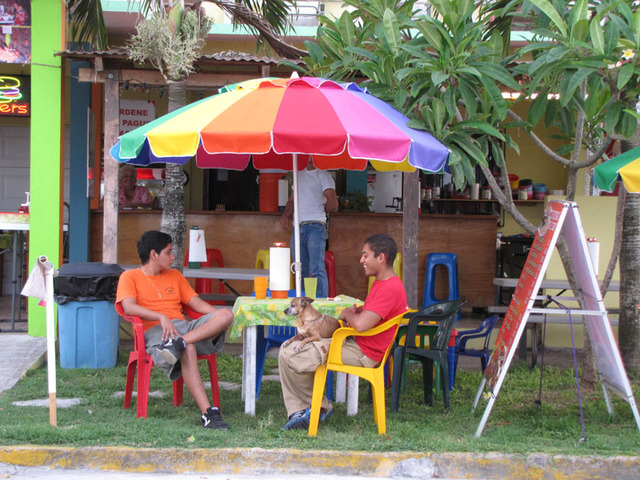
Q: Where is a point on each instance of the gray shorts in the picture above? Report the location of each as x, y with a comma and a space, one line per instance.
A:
153, 338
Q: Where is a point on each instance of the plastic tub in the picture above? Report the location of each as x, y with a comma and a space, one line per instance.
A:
540, 187
89, 334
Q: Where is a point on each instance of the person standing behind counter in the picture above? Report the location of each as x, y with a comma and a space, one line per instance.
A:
131, 195
317, 192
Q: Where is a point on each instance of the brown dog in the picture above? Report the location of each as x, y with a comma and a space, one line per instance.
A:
312, 325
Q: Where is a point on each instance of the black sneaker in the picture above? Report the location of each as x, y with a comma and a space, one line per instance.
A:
213, 419
171, 349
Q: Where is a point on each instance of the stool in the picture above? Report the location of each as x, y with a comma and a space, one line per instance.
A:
448, 260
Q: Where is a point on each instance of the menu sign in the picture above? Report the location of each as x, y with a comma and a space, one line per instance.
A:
135, 113
559, 217
516, 317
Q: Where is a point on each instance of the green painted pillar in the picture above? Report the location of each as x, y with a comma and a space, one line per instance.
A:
45, 236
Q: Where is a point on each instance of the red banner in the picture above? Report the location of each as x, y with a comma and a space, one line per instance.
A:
525, 291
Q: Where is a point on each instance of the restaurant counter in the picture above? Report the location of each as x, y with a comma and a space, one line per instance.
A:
239, 236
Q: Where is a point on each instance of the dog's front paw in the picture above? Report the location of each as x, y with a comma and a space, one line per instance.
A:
286, 344
297, 349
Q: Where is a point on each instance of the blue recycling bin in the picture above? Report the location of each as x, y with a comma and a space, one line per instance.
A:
88, 324
89, 334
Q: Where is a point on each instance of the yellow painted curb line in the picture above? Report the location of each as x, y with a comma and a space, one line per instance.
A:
254, 461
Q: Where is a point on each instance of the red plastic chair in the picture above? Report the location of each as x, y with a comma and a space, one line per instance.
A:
330, 267
204, 285
139, 359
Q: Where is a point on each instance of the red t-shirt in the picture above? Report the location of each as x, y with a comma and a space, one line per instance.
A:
163, 293
388, 299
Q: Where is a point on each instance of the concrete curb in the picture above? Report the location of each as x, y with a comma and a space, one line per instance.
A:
256, 461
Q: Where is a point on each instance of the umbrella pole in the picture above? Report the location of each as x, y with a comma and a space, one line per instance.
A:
47, 266
297, 266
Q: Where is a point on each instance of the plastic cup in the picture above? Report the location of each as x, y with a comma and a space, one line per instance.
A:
260, 287
310, 286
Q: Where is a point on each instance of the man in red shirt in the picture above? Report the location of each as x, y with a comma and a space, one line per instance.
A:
386, 299
155, 292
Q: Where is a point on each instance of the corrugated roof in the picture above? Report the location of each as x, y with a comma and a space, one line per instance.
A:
228, 56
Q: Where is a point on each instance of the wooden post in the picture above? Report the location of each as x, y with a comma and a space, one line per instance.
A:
410, 212
110, 205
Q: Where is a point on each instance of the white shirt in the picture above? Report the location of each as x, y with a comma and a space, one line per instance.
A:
311, 187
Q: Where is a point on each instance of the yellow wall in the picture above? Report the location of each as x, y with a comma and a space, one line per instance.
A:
597, 215
531, 163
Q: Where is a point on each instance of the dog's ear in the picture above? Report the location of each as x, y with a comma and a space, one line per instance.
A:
306, 301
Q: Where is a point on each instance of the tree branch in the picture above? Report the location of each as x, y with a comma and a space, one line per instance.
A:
540, 143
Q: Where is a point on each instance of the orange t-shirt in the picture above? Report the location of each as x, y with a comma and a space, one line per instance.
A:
163, 293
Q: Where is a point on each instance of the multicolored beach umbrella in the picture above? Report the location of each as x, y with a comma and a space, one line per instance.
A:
280, 124
341, 125
625, 166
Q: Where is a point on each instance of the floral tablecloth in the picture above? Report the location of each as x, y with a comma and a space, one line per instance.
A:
249, 311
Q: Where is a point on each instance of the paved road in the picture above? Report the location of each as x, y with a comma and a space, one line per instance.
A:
37, 473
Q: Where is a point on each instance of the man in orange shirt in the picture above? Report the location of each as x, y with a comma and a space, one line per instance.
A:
155, 292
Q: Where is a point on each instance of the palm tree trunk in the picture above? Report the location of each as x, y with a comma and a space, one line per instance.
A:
174, 221
629, 326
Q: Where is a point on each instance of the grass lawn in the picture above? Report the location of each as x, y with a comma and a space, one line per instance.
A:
517, 423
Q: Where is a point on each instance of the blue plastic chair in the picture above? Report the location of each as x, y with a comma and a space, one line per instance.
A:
483, 331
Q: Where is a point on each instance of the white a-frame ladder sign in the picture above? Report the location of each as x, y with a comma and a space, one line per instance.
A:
559, 217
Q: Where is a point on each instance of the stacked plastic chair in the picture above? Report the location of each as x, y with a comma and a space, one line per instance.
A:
444, 314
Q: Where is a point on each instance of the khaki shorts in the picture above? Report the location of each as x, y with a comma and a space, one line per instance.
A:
153, 338
314, 354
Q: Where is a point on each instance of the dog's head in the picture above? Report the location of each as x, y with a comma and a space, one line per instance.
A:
297, 305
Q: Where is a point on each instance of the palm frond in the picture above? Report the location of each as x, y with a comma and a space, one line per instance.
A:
242, 14
86, 20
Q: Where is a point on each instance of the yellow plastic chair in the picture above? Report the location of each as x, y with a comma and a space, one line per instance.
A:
373, 375
262, 260
397, 269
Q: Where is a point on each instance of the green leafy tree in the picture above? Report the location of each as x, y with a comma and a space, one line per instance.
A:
437, 69
446, 72
583, 65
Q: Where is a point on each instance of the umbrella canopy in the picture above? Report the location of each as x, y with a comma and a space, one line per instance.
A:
625, 165
341, 125
280, 124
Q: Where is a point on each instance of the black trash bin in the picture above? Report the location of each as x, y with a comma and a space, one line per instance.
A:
88, 324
